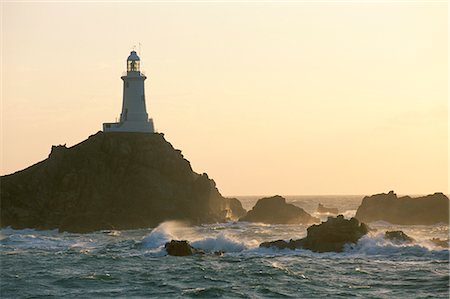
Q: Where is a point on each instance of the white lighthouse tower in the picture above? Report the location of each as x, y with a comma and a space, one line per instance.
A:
134, 117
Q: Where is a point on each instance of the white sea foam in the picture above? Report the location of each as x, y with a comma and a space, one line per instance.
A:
349, 214
162, 234
221, 242
376, 244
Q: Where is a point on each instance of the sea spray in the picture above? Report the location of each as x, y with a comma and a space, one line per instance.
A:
221, 242
163, 233
376, 244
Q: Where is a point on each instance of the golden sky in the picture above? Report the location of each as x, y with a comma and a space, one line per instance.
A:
266, 97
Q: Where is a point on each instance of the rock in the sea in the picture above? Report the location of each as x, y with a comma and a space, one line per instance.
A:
426, 210
331, 235
275, 210
440, 243
179, 248
398, 236
321, 209
280, 244
112, 181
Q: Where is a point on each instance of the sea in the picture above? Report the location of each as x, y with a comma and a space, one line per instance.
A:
134, 263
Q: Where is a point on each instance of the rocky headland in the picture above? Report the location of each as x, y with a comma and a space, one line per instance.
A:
112, 181
275, 210
329, 236
425, 210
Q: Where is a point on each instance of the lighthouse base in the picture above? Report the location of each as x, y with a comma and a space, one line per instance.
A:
130, 126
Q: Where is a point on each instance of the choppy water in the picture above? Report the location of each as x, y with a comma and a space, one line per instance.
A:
134, 264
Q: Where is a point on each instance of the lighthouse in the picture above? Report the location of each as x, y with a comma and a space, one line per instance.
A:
134, 117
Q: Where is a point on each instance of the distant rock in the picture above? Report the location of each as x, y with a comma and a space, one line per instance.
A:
275, 210
440, 243
328, 236
321, 209
398, 237
112, 181
180, 248
234, 209
425, 210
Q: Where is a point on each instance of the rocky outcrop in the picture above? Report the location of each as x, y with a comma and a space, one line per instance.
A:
179, 248
426, 210
321, 209
440, 243
398, 236
112, 181
328, 236
275, 210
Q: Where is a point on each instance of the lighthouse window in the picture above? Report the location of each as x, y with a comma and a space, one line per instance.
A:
133, 66
126, 84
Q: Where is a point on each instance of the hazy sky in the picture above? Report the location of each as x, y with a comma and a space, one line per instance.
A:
267, 98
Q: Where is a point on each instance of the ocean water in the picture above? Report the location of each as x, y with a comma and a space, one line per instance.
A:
133, 263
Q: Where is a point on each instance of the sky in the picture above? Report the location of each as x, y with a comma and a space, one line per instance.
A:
290, 98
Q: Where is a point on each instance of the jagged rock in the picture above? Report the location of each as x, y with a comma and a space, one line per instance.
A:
426, 210
331, 235
179, 248
440, 243
275, 210
112, 181
280, 244
398, 236
321, 209
235, 209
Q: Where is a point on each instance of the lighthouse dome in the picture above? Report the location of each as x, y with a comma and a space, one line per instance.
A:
133, 56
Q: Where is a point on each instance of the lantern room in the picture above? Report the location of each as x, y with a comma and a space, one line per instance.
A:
133, 62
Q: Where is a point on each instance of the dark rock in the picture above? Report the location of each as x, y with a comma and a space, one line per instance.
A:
275, 210
440, 243
112, 181
234, 209
179, 248
321, 209
426, 210
331, 235
280, 244
398, 237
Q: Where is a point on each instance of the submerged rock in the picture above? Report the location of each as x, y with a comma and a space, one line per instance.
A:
425, 210
331, 235
398, 236
180, 248
112, 181
275, 210
321, 209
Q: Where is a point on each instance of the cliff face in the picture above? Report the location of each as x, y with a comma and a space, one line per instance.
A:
405, 210
112, 181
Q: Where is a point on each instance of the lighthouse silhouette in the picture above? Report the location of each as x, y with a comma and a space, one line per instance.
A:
134, 117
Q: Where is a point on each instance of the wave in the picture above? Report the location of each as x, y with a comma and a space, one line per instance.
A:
221, 242
160, 235
376, 244
323, 216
